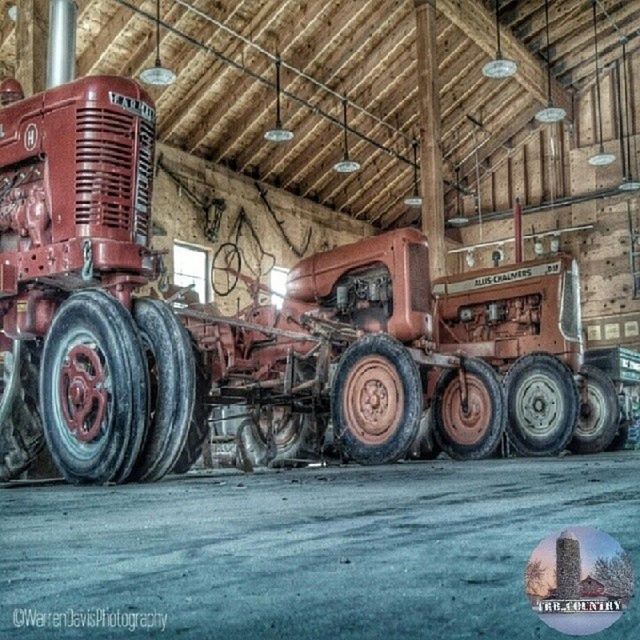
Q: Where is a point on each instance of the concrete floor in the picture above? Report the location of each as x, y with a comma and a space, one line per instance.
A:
417, 550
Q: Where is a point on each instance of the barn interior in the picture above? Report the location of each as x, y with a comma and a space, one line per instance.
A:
503, 134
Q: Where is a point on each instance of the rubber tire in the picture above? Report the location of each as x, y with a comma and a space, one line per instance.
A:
603, 440
113, 326
199, 427
557, 441
397, 446
425, 447
304, 447
22, 436
165, 338
620, 439
491, 440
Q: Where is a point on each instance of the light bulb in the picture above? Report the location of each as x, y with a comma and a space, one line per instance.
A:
499, 69
551, 114
346, 166
158, 76
278, 135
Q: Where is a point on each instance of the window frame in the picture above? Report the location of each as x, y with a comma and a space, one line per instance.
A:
207, 265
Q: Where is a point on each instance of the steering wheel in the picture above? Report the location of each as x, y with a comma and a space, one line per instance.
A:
228, 259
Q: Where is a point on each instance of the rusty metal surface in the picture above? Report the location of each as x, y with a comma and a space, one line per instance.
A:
373, 400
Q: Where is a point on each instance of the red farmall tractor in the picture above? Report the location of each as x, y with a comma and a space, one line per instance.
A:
116, 375
525, 320
122, 385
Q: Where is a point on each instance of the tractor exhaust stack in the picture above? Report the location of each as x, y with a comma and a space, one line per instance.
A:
61, 56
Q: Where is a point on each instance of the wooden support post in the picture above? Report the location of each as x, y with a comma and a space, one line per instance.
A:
430, 136
32, 29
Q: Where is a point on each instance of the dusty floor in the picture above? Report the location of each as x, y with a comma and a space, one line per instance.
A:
420, 550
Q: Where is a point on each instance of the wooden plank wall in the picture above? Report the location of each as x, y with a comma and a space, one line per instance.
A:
549, 163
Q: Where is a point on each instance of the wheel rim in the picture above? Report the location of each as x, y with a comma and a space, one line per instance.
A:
539, 405
593, 413
82, 403
373, 400
466, 425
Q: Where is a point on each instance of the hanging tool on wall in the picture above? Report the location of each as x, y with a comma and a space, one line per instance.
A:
211, 207
298, 252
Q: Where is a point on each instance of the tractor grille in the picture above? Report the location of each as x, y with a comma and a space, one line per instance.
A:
144, 179
419, 277
106, 171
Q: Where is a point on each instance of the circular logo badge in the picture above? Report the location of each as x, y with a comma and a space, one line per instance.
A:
579, 581
30, 137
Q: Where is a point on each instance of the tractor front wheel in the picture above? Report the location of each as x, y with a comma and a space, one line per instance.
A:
543, 405
93, 389
599, 413
469, 411
376, 400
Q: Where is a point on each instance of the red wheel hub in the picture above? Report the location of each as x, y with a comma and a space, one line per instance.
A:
373, 400
468, 424
82, 392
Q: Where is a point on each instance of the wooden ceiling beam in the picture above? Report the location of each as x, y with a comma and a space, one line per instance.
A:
581, 63
305, 17
307, 126
121, 20
335, 187
479, 25
340, 26
317, 158
218, 74
145, 53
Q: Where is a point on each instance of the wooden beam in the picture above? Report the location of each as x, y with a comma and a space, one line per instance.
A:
430, 150
215, 73
479, 25
32, 28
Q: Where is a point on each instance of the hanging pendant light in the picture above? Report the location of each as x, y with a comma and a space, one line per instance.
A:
415, 199
629, 183
158, 75
600, 159
499, 68
278, 133
459, 219
550, 114
346, 165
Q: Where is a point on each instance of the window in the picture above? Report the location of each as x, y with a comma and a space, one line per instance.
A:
191, 267
278, 285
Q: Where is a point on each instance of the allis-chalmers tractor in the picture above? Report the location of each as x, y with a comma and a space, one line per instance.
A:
525, 320
125, 384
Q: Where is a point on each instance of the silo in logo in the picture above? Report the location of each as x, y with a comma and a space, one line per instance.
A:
579, 580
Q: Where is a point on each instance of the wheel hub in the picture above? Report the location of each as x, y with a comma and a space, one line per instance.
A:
466, 422
539, 404
593, 413
373, 399
82, 392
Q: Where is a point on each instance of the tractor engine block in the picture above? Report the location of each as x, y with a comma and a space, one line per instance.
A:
499, 319
23, 209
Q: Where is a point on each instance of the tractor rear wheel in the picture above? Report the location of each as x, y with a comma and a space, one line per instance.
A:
543, 405
21, 436
172, 380
469, 430
376, 400
599, 413
93, 389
